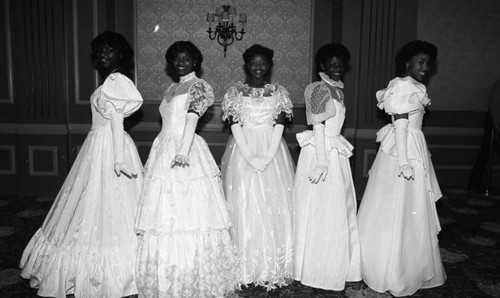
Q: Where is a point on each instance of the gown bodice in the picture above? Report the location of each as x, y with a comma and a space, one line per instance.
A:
190, 94
97, 119
257, 112
256, 107
173, 114
415, 119
333, 126
405, 96
324, 104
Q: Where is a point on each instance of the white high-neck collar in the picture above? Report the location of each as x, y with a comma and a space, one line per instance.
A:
187, 77
328, 80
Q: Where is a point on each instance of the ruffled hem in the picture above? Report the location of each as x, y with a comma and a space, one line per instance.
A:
283, 281
193, 264
82, 271
338, 143
269, 266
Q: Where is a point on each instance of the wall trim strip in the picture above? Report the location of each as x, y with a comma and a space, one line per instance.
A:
31, 161
12, 158
58, 129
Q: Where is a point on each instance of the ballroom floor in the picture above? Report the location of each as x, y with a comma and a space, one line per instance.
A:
469, 240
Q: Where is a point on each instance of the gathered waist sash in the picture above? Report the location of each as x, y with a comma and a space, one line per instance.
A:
337, 142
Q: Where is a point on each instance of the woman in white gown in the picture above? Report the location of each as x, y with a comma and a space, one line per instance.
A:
86, 245
397, 218
185, 249
257, 172
326, 243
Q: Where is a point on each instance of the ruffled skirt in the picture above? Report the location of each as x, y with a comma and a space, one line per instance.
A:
260, 206
185, 248
87, 244
326, 242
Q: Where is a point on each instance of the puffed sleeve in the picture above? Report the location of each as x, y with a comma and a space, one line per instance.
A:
118, 95
319, 105
284, 104
201, 97
402, 96
231, 104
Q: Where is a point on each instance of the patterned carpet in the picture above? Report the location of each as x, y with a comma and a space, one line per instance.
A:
469, 240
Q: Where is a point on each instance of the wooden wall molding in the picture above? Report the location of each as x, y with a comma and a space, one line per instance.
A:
11, 170
32, 161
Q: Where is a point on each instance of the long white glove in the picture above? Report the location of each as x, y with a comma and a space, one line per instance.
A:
321, 170
181, 159
120, 165
275, 143
256, 162
401, 134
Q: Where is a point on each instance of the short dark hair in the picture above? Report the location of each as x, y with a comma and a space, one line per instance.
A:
259, 50
116, 41
330, 50
411, 49
184, 46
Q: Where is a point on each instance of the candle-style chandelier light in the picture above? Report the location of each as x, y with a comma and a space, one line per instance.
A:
225, 30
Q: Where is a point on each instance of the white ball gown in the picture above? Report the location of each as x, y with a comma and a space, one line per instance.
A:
87, 245
326, 243
260, 203
397, 218
185, 249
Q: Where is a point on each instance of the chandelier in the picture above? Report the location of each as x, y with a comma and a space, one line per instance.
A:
225, 30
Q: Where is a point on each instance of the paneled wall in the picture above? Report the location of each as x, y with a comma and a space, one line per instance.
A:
46, 84
469, 50
47, 80
34, 91
374, 30
284, 26
468, 64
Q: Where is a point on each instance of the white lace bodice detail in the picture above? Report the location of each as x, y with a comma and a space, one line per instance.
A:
256, 107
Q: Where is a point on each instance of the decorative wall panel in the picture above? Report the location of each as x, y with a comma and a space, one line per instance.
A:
466, 34
7, 159
284, 26
43, 160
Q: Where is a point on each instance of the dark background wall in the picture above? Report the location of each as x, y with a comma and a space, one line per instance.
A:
46, 78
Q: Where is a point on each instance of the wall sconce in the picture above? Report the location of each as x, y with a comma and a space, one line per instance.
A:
226, 31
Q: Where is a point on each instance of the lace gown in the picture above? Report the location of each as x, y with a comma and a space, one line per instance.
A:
397, 218
326, 243
86, 245
185, 248
260, 203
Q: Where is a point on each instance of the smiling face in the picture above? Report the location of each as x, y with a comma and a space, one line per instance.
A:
183, 64
418, 67
333, 68
108, 59
258, 68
